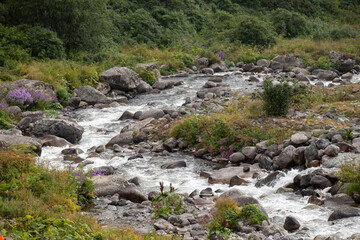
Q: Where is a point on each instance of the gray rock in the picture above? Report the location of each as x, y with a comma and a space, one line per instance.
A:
237, 157
9, 140
72, 151
219, 91
68, 130
47, 89
320, 182
219, 67
201, 62
106, 170
302, 77
126, 115
336, 138
138, 126
179, 220
140, 137
90, 95
291, 223
170, 144
249, 152
247, 67
135, 181
310, 153
210, 84
346, 212
143, 87
135, 157
265, 162
74, 102
162, 224
174, 164
121, 139
261, 147
299, 154
110, 185
283, 62
270, 180
224, 175
322, 143
263, 63
207, 192
298, 138
325, 75
340, 200
238, 181
347, 76
332, 150
208, 71
272, 229
54, 141
286, 157
200, 153
121, 78
154, 113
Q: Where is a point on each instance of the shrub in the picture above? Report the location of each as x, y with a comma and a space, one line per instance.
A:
167, 203
62, 95
350, 173
289, 24
5, 116
323, 63
252, 215
148, 77
28, 99
253, 31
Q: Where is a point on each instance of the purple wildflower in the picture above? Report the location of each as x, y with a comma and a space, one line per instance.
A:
221, 55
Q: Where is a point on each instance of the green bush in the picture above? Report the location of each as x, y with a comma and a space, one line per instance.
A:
5, 119
289, 24
252, 215
276, 98
253, 31
350, 173
148, 77
62, 95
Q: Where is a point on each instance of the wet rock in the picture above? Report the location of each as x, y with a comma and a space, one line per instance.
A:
110, 185
310, 153
154, 113
200, 153
339, 200
90, 95
54, 141
100, 149
140, 137
325, 75
265, 162
9, 140
249, 152
305, 181
207, 192
121, 78
135, 181
224, 175
106, 170
346, 212
210, 84
315, 200
291, 223
174, 164
345, 147
135, 157
238, 181
73, 158
286, 157
237, 157
68, 130
201, 62
170, 144
204, 218
121, 139
208, 71
283, 62
332, 150
72, 151
299, 155
74, 102
320, 182
298, 138
270, 180
272, 229
126, 115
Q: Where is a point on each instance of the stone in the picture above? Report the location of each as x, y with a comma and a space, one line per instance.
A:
170, 144
325, 75
332, 150
346, 212
106, 170
121, 139
207, 192
54, 141
137, 156
347, 76
90, 95
210, 84
219, 67
162, 224
135, 181
291, 223
140, 137
305, 181
238, 181
74, 102
179, 220
247, 67
261, 147
68, 130
208, 71
174, 164
302, 77
283, 62
46, 89
126, 115
263, 63
322, 143
138, 126
9, 140
339, 200
320, 182
270, 180
336, 138
286, 157
121, 78
202, 62
265, 162
310, 153
143, 87
200, 153
299, 154
72, 151
298, 138
100, 149
249, 152
237, 157
112, 184
224, 175
154, 113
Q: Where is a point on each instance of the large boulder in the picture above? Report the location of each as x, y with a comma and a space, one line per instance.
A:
112, 184
298, 138
9, 140
121, 139
54, 141
69, 130
325, 75
202, 62
121, 78
136, 127
263, 63
283, 62
344, 61
219, 67
90, 95
153, 113
346, 212
286, 157
47, 89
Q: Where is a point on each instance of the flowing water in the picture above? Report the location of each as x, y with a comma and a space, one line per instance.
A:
102, 124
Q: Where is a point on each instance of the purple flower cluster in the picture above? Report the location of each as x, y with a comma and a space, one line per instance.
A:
227, 154
4, 106
81, 176
19, 97
221, 55
26, 98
